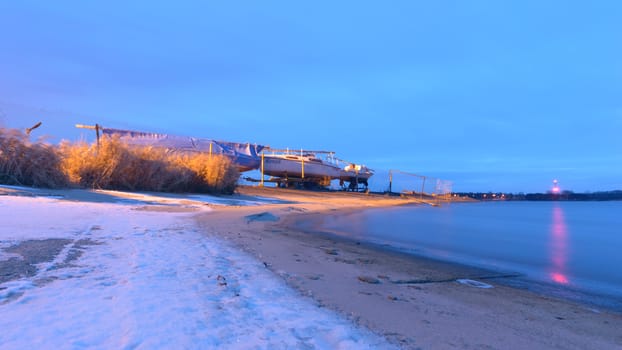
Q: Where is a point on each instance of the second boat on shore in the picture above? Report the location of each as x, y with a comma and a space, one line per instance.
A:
318, 167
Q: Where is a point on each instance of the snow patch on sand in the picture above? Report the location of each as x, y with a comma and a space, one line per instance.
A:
150, 280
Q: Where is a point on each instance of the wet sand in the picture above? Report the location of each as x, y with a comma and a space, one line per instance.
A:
414, 302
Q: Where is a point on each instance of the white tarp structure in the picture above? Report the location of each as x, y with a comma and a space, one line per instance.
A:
245, 155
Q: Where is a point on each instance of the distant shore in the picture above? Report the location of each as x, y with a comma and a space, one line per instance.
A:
414, 302
549, 196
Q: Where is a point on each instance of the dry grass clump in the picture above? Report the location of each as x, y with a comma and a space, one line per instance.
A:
29, 164
115, 165
211, 173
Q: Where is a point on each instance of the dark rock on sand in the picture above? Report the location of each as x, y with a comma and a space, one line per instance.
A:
369, 279
265, 216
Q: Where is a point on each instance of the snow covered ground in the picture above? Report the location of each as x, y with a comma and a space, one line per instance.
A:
77, 275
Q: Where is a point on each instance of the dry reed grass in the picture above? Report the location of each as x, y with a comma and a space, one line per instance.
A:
29, 164
115, 165
111, 165
211, 173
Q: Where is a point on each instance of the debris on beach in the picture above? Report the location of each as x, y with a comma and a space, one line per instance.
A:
331, 251
369, 279
365, 261
345, 261
295, 209
265, 216
314, 277
473, 283
222, 281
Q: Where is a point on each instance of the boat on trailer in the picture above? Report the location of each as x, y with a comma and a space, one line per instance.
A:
309, 168
314, 167
355, 174
303, 165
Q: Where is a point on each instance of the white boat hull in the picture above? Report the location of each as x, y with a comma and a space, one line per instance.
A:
358, 172
298, 167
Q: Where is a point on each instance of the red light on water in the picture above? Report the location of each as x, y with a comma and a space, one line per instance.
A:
559, 278
559, 247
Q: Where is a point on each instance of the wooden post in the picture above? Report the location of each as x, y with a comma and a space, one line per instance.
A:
422, 186
210, 149
29, 130
97, 128
262, 160
302, 161
390, 181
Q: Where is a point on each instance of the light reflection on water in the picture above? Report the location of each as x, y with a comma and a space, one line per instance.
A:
559, 247
572, 245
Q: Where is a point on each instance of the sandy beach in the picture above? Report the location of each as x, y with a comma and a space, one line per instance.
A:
414, 302
238, 272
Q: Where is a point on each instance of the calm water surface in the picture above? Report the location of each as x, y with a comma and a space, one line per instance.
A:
576, 246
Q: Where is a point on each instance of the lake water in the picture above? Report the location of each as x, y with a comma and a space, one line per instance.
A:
573, 248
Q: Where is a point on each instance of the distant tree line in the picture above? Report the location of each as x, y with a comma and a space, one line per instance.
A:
549, 196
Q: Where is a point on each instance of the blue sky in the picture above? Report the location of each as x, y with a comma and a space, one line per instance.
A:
500, 96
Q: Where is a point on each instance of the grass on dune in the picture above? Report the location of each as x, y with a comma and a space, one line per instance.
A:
27, 163
111, 165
